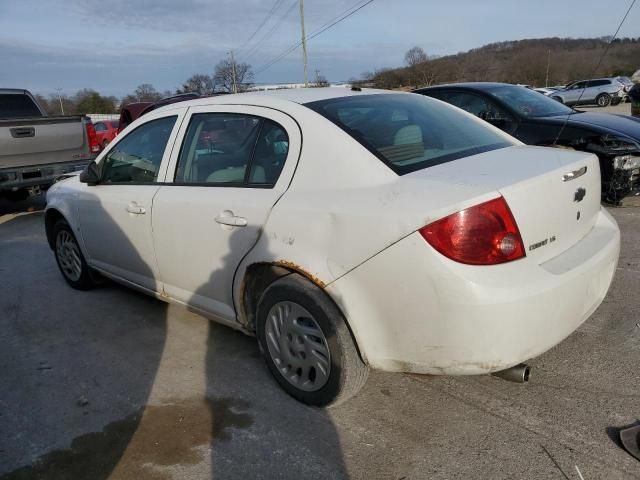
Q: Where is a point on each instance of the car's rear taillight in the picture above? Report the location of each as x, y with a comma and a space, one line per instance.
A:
94, 144
485, 234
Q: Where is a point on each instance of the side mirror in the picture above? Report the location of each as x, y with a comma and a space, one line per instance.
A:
91, 174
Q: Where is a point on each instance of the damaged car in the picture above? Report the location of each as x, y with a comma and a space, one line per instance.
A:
346, 230
538, 120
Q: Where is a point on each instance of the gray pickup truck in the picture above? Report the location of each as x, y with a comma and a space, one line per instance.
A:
35, 149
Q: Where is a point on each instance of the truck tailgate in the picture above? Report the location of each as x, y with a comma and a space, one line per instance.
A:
27, 142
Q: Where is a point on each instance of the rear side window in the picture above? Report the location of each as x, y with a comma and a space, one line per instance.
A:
230, 149
17, 106
410, 132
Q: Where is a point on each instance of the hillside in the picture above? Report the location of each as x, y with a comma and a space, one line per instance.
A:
520, 61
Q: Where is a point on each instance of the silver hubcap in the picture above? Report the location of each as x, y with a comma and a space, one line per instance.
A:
297, 346
68, 256
603, 101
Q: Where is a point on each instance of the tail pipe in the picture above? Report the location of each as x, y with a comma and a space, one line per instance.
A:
518, 374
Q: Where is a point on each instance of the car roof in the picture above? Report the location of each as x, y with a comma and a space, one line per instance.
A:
470, 85
279, 97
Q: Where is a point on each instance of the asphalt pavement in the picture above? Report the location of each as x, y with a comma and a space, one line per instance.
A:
112, 384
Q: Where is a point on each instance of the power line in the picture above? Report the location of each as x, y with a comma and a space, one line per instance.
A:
326, 26
273, 9
322, 29
258, 46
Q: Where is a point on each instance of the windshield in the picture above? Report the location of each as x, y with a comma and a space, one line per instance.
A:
410, 132
527, 102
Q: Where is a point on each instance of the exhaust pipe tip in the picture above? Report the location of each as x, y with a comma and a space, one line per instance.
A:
517, 374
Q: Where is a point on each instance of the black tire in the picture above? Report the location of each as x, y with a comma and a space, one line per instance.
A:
87, 278
603, 100
347, 373
557, 99
616, 101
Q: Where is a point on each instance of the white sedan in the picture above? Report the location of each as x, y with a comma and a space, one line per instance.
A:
347, 230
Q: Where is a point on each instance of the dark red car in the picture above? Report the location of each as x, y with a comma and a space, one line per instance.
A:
106, 130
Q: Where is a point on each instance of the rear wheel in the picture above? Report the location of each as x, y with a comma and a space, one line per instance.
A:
603, 100
306, 343
69, 257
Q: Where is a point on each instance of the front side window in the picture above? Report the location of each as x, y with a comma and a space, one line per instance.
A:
231, 149
137, 157
410, 132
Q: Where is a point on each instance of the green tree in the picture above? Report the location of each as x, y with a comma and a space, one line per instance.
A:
90, 101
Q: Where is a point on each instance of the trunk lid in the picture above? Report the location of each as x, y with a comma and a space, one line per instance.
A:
554, 194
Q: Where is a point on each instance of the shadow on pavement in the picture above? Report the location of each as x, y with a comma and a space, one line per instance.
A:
168, 394
30, 204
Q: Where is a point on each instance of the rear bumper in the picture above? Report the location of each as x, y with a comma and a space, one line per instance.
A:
412, 310
13, 179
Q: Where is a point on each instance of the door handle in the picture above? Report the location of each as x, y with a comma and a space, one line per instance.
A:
136, 209
227, 218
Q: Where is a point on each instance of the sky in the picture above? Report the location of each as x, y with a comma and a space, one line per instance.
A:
114, 45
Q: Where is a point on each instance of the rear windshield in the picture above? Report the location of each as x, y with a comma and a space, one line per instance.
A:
17, 105
410, 132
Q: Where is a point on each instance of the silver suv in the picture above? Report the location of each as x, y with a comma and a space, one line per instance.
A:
599, 91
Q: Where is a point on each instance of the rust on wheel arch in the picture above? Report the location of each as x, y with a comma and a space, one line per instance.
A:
252, 285
298, 269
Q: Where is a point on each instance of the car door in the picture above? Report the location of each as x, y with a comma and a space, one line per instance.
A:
574, 92
115, 214
232, 165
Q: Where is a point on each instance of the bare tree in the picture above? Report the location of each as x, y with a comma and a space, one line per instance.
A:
415, 56
223, 76
147, 93
417, 63
199, 83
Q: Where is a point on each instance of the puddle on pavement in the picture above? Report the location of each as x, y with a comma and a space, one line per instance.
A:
139, 445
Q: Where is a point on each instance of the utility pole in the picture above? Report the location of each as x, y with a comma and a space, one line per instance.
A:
304, 43
60, 100
546, 83
233, 70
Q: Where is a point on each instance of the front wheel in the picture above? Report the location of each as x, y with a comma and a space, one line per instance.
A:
306, 343
603, 100
70, 259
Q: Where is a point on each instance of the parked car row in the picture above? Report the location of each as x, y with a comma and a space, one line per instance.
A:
538, 120
350, 229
